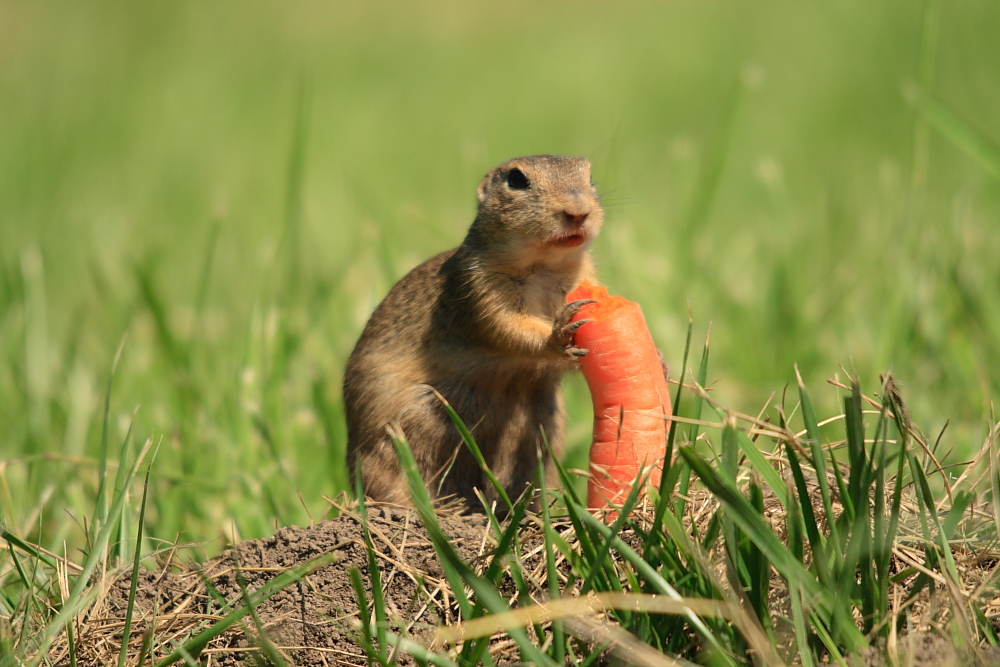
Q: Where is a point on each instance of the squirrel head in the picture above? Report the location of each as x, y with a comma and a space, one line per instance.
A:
537, 209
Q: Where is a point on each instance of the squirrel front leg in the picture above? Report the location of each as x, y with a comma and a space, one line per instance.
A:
534, 336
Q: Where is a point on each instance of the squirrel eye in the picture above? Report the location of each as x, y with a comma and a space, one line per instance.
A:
516, 180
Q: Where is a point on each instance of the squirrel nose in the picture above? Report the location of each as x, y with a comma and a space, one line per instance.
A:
576, 216
576, 208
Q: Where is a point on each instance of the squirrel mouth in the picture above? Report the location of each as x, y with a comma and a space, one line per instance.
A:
571, 240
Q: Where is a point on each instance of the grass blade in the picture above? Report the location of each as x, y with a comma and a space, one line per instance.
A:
374, 572
819, 464
458, 572
473, 653
127, 632
751, 523
758, 565
121, 488
667, 477
266, 645
804, 502
477, 453
668, 459
685, 475
79, 596
558, 634
994, 441
101, 512
964, 136
923, 489
597, 564
762, 466
802, 634
736, 570
857, 460
364, 616
425, 507
32, 603
882, 541
702, 379
27, 547
177, 351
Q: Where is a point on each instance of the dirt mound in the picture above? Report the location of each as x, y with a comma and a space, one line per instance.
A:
315, 621
310, 622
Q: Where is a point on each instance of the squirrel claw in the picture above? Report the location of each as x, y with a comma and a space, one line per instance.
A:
564, 328
577, 305
576, 352
573, 327
569, 311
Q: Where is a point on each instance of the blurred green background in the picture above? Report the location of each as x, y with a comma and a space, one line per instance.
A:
236, 185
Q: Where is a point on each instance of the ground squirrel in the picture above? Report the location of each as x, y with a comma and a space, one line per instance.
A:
486, 325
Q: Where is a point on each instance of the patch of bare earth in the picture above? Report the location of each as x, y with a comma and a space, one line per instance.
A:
311, 622
316, 621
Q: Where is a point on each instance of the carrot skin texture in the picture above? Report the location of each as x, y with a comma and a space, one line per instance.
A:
630, 395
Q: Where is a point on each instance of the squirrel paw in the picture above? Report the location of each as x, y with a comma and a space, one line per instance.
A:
564, 328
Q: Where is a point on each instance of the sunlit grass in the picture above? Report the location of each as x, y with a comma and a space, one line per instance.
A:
786, 547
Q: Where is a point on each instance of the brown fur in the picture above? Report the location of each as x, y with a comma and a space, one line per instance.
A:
486, 325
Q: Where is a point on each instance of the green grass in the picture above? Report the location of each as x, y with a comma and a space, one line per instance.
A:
230, 190
815, 579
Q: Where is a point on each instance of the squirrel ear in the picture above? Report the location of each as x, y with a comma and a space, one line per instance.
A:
483, 185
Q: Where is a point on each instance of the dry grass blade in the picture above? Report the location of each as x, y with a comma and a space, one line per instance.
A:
80, 595
590, 604
620, 643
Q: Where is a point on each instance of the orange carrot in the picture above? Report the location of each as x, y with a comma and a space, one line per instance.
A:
631, 400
